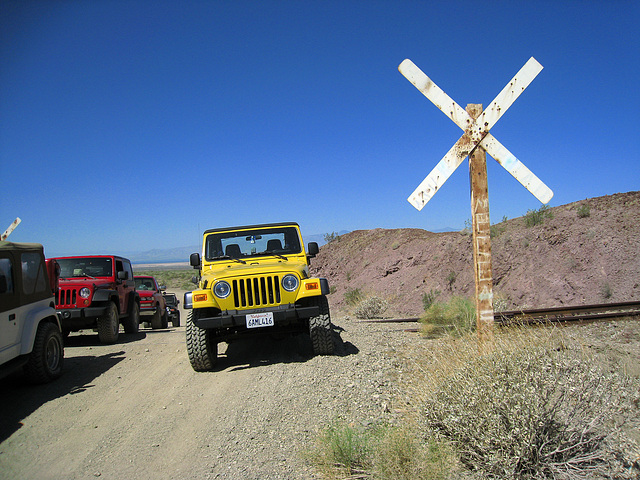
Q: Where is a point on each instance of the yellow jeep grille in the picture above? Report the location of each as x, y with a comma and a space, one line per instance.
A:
256, 291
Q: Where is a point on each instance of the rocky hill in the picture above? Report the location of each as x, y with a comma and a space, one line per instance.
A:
584, 252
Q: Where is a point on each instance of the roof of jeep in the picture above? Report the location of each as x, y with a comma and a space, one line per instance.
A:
247, 227
93, 256
4, 245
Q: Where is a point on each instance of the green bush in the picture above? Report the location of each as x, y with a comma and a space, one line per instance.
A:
584, 210
537, 217
330, 237
400, 453
383, 453
343, 447
429, 297
451, 279
456, 317
353, 296
498, 229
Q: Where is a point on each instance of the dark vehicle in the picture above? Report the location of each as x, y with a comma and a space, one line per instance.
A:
153, 309
97, 292
30, 332
172, 308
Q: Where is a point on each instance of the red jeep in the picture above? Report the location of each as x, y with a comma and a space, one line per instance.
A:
97, 292
152, 302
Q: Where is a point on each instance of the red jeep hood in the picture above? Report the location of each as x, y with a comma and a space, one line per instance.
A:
96, 282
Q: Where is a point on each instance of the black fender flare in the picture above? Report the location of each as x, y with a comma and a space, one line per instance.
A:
104, 295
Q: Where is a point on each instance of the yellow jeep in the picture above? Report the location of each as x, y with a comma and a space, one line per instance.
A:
254, 280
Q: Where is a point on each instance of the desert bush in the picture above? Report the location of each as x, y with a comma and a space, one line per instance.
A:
451, 279
400, 453
353, 296
456, 317
429, 297
499, 228
528, 411
371, 307
537, 217
584, 210
330, 237
606, 291
343, 448
501, 302
383, 453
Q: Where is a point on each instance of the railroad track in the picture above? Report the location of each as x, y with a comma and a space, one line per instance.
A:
569, 314
555, 314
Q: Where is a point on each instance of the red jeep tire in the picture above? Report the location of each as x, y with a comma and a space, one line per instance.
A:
156, 320
109, 325
131, 324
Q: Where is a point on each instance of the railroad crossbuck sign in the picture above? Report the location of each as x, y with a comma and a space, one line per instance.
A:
476, 133
476, 125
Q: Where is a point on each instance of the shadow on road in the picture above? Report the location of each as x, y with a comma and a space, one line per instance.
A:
91, 339
19, 399
268, 350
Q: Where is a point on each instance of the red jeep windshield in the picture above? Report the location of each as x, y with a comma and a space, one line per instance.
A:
85, 267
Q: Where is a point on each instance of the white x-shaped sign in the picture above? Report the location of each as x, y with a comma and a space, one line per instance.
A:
476, 133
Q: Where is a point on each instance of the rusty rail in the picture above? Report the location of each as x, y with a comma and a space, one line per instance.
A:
569, 313
553, 314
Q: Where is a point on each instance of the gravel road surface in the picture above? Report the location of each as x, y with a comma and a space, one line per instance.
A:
137, 409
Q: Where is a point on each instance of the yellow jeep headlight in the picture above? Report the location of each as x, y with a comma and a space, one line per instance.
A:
222, 289
290, 282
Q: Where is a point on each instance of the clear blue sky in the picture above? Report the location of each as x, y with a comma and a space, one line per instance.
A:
135, 125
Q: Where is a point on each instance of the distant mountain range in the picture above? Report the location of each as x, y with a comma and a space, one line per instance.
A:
181, 254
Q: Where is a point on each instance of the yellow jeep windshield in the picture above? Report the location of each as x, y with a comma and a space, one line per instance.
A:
241, 244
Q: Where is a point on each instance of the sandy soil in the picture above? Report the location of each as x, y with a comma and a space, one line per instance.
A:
137, 409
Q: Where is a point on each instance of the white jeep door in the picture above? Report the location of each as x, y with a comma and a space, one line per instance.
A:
10, 326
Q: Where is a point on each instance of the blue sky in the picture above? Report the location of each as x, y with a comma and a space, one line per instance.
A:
136, 125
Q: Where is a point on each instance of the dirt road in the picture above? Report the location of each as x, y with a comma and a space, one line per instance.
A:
137, 409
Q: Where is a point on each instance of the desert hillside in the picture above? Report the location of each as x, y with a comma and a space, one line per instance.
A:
583, 253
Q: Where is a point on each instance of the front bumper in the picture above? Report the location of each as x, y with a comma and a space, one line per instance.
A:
147, 311
77, 318
283, 316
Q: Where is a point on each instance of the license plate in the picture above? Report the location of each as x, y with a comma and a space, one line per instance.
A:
256, 320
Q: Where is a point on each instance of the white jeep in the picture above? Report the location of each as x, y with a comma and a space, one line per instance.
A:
30, 333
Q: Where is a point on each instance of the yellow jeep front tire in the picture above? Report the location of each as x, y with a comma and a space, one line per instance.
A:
202, 347
320, 328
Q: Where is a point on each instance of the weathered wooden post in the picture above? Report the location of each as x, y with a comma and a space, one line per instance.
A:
475, 143
481, 226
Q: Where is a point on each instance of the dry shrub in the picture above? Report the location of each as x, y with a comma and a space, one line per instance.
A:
371, 307
533, 408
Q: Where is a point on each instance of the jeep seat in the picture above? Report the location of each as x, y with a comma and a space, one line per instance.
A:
233, 250
273, 245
